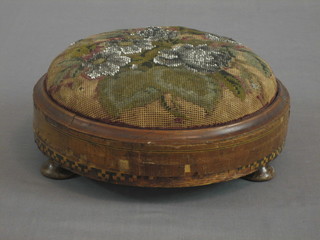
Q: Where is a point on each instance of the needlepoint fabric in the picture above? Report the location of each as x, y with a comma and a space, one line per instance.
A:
160, 78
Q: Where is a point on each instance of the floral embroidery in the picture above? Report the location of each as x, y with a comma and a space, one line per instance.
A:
199, 58
167, 66
107, 62
157, 33
217, 38
132, 47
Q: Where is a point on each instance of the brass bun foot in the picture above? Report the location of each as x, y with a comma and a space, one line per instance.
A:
264, 173
50, 169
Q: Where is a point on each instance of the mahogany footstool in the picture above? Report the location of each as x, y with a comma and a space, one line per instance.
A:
160, 107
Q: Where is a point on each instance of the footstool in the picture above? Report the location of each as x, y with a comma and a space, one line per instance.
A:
160, 107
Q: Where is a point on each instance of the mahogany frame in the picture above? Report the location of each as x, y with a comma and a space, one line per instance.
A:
159, 158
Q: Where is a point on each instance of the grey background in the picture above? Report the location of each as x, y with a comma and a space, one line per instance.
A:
285, 33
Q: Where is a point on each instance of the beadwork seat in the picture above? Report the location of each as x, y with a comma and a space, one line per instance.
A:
161, 78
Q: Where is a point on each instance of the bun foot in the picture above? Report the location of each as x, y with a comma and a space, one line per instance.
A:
50, 169
264, 173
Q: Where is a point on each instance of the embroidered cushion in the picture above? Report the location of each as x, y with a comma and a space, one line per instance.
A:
160, 78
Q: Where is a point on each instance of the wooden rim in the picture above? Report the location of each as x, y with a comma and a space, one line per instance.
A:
103, 130
159, 158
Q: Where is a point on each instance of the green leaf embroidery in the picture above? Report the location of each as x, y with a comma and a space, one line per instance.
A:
129, 89
72, 67
256, 62
173, 110
70, 62
60, 76
232, 83
192, 87
74, 72
134, 88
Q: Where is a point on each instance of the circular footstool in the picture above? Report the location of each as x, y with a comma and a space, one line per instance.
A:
160, 107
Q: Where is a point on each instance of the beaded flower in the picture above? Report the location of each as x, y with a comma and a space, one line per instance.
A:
157, 33
199, 58
106, 62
